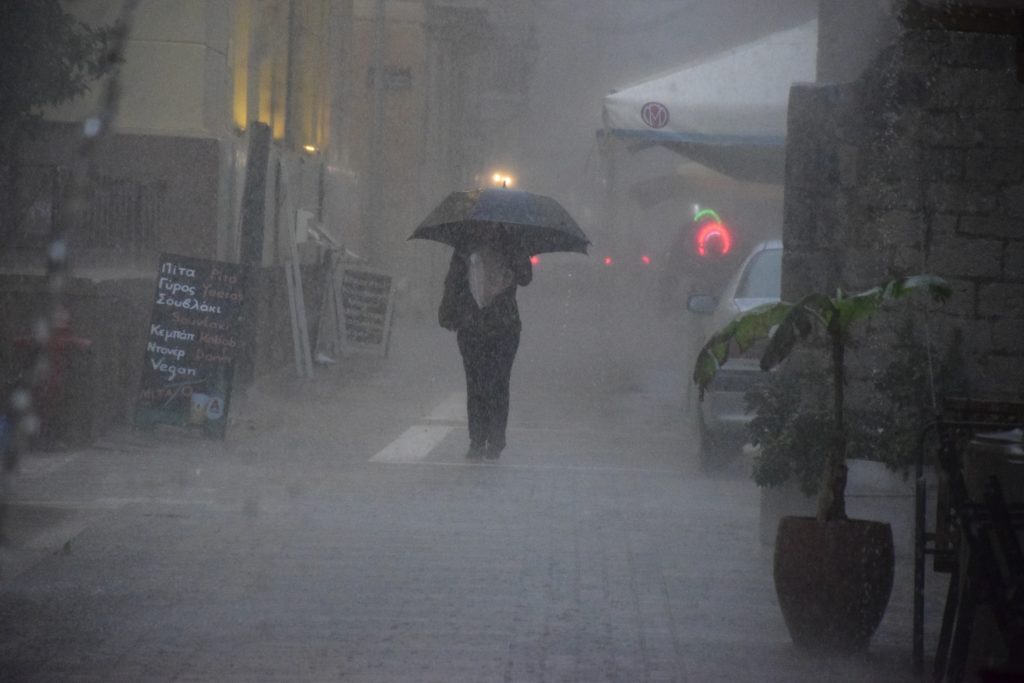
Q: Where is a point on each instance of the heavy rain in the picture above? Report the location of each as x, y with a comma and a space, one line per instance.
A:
533, 341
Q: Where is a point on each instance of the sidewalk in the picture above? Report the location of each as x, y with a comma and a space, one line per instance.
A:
591, 552
58, 493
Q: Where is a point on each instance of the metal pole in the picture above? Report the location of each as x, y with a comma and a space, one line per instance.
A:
920, 508
375, 222
289, 82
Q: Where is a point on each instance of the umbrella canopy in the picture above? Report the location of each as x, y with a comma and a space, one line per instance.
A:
727, 112
502, 217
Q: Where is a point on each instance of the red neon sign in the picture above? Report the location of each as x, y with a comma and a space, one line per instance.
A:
717, 234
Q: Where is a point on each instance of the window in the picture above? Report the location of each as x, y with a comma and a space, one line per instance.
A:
241, 44
763, 278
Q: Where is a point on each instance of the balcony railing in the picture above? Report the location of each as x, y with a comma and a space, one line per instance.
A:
117, 214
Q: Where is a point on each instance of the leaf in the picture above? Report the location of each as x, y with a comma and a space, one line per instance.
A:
757, 323
798, 324
867, 303
744, 330
795, 322
862, 305
938, 288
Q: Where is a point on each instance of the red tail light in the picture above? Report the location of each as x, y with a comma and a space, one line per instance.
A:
535, 260
607, 260
646, 259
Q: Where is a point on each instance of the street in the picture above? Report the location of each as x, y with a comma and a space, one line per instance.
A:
339, 534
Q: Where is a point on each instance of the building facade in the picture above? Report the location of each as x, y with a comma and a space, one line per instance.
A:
911, 163
373, 108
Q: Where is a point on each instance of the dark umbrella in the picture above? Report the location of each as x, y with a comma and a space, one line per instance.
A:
532, 222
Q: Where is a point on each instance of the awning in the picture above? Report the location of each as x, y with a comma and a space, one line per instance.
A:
727, 112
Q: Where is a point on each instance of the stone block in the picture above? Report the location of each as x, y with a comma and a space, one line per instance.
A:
960, 89
1008, 335
994, 165
1003, 129
1012, 201
889, 160
962, 198
818, 168
1013, 262
941, 163
942, 225
860, 234
995, 228
881, 194
1001, 299
982, 51
864, 268
808, 271
901, 227
906, 260
999, 376
847, 157
833, 220
911, 89
962, 304
966, 258
943, 129
798, 217
918, 47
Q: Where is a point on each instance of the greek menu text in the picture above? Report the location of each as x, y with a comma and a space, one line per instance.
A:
192, 343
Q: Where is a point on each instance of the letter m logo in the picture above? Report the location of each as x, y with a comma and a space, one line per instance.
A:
654, 114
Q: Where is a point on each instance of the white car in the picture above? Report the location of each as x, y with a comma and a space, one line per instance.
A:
723, 414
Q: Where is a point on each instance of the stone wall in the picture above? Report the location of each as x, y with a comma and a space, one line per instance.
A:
917, 166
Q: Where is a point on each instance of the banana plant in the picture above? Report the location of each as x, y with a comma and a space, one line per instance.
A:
784, 324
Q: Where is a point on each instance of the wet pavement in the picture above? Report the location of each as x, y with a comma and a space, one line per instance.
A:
338, 534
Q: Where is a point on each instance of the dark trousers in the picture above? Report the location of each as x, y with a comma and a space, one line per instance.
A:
487, 360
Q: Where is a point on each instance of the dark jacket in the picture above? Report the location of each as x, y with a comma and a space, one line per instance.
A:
459, 311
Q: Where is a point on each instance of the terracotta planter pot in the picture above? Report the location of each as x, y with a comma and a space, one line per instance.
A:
833, 580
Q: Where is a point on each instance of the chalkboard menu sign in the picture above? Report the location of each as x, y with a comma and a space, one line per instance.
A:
192, 344
366, 303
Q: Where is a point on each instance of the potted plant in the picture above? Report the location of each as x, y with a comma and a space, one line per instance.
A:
833, 575
791, 424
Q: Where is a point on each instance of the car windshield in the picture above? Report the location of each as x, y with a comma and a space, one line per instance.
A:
763, 279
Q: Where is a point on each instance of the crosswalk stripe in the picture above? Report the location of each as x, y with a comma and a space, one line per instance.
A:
414, 444
452, 409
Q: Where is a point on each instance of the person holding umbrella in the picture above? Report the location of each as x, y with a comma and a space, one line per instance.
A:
494, 233
479, 305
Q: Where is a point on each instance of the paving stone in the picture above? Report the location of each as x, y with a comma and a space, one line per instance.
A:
593, 551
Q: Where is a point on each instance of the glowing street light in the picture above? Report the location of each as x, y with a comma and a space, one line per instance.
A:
502, 179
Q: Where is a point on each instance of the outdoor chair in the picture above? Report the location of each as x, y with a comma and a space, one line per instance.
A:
976, 541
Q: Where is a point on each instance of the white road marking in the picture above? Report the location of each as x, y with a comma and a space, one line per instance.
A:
413, 445
41, 466
507, 464
452, 409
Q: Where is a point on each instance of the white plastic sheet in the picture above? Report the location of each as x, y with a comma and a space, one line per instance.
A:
489, 275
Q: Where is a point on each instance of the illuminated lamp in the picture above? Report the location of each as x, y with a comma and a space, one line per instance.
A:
707, 213
535, 260
714, 231
607, 260
646, 259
